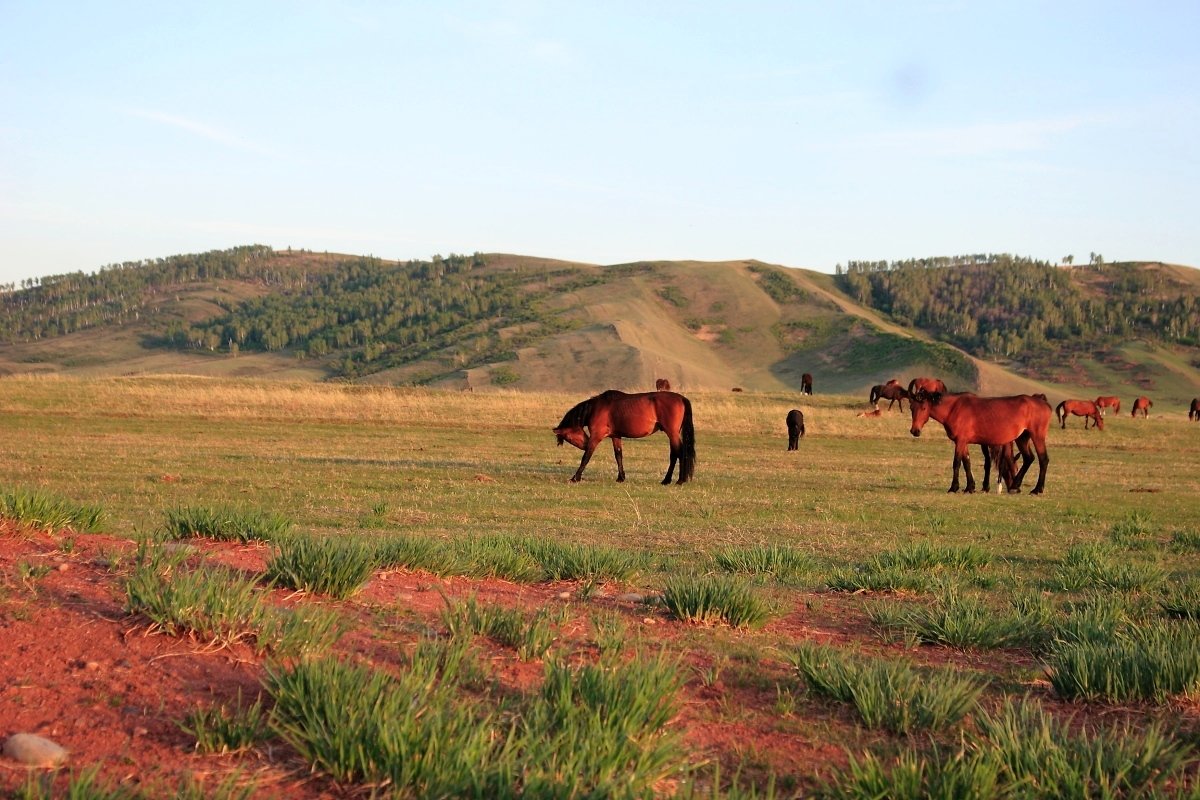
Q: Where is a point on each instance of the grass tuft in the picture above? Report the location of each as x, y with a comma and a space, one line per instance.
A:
225, 524
48, 512
710, 599
227, 730
335, 566
1152, 662
777, 561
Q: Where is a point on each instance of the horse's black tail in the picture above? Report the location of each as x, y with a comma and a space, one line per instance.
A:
874, 395
687, 436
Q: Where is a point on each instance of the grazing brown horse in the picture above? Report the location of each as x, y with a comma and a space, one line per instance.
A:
1142, 404
795, 426
1080, 408
988, 421
615, 415
1107, 402
806, 383
1194, 411
1006, 466
662, 385
925, 384
892, 390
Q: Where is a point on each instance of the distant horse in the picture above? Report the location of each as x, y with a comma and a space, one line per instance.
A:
662, 385
1107, 402
892, 391
795, 426
806, 383
1194, 411
615, 415
1142, 404
926, 385
1080, 408
989, 421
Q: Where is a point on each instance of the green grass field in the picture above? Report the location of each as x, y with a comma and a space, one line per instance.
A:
861, 501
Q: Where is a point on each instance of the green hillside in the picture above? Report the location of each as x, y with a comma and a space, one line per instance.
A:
993, 323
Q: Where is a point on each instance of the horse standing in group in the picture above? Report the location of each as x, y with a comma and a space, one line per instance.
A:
1142, 404
928, 385
795, 426
1109, 401
991, 422
662, 385
806, 383
892, 390
615, 415
1080, 408
1194, 411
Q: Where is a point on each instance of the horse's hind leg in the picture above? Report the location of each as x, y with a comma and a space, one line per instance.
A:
617, 454
1026, 460
965, 458
589, 447
676, 449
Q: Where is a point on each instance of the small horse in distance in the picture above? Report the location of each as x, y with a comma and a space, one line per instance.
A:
892, 390
1109, 401
926, 385
1080, 408
1142, 404
662, 385
795, 426
806, 383
615, 415
1194, 411
988, 421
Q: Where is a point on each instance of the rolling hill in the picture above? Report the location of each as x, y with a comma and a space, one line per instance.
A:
993, 324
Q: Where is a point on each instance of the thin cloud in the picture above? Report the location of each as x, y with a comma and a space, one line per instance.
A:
203, 131
976, 140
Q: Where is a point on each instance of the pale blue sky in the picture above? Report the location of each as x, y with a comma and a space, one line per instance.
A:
799, 133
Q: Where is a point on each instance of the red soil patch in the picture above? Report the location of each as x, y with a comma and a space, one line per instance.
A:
77, 669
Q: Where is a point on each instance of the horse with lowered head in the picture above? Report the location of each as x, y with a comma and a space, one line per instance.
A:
1080, 408
987, 421
1142, 404
806, 383
616, 415
795, 426
892, 390
1194, 411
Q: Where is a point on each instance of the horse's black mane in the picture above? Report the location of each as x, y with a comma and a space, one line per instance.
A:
581, 415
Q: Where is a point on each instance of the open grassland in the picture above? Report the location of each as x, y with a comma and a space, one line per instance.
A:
850, 545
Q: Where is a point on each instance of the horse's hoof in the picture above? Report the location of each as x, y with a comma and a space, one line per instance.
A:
620, 479
576, 479
952, 490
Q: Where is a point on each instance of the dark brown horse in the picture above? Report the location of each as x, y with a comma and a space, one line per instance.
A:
925, 385
1142, 404
1109, 401
1080, 408
795, 426
662, 385
1194, 411
892, 390
806, 383
616, 415
988, 421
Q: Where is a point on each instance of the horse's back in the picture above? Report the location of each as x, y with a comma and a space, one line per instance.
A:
999, 420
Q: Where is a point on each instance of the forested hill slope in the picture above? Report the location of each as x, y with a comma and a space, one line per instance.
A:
489, 320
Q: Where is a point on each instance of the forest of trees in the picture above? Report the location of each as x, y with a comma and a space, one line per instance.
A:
119, 293
1023, 309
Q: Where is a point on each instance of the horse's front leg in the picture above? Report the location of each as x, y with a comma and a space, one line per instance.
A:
987, 470
617, 453
589, 447
965, 458
954, 483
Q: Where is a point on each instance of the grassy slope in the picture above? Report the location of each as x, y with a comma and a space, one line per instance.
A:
702, 325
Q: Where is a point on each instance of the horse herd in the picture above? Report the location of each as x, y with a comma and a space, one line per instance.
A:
996, 424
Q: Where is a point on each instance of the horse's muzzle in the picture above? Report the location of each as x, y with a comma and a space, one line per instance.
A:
915, 432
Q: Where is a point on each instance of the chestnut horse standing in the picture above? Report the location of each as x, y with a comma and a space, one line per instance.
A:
1194, 411
1080, 408
1142, 404
795, 426
615, 415
662, 385
806, 383
892, 390
988, 421
1107, 402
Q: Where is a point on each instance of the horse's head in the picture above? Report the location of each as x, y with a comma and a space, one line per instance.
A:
572, 436
920, 404
1099, 419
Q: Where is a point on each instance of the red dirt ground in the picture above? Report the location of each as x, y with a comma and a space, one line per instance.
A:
79, 670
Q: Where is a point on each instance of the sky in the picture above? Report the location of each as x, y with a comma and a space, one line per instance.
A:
799, 133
